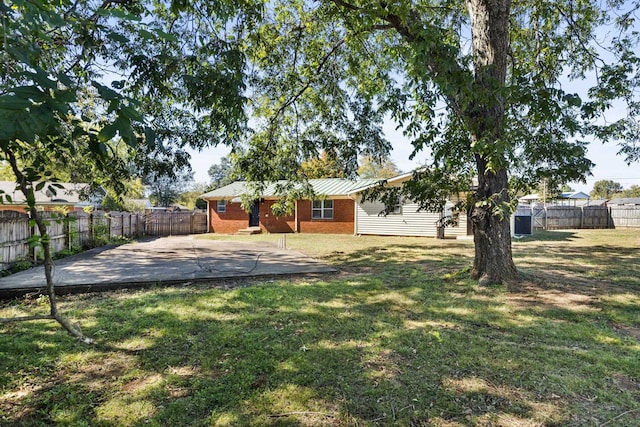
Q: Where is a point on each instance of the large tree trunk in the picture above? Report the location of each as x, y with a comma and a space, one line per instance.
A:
493, 261
485, 117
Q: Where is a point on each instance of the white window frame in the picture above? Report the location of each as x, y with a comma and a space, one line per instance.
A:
221, 206
325, 211
397, 207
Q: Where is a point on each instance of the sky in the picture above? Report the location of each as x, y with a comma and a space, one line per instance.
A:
608, 164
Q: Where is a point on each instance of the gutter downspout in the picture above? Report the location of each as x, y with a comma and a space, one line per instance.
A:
295, 217
208, 216
354, 197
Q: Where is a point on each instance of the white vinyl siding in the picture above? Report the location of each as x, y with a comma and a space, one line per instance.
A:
409, 222
396, 209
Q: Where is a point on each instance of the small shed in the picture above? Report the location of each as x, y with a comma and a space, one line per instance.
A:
522, 222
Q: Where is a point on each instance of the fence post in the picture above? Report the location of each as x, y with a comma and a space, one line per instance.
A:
66, 230
581, 217
32, 233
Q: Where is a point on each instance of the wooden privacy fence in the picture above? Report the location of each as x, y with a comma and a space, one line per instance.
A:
176, 223
576, 217
86, 230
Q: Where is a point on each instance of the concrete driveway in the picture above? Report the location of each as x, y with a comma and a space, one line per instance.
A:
163, 260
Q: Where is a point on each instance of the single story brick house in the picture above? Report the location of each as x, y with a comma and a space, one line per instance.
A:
339, 209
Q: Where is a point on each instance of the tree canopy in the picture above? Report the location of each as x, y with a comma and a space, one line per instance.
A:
121, 86
605, 189
489, 88
326, 165
632, 191
370, 167
221, 174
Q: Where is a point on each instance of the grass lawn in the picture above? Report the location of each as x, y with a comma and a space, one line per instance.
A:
400, 336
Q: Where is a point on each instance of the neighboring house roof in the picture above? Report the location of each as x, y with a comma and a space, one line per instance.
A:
326, 186
69, 194
573, 195
529, 197
625, 201
146, 203
592, 202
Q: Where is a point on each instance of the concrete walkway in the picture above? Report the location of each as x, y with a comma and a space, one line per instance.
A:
162, 260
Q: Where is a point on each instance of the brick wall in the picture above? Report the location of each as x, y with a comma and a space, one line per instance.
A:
272, 224
234, 219
342, 222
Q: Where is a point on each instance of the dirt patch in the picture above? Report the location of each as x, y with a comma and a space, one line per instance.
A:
624, 383
96, 375
132, 387
628, 330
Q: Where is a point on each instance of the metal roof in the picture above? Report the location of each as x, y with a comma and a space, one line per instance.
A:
326, 187
625, 201
566, 195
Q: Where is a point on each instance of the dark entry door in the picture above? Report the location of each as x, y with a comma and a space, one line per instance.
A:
254, 216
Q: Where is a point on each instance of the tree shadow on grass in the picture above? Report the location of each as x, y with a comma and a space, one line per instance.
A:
393, 347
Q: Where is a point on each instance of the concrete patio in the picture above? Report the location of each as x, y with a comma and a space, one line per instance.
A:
162, 260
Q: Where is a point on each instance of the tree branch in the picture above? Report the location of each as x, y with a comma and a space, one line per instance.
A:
26, 318
306, 86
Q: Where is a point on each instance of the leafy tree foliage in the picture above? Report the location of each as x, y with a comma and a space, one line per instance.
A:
190, 198
327, 165
165, 190
485, 86
221, 174
605, 189
549, 190
633, 191
370, 167
122, 85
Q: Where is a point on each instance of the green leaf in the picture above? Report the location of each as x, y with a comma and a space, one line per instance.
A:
65, 79
126, 131
40, 185
42, 78
31, 198
130, 113
106, 93
107, 133
116, 13
149, 136
166, 36
146, 35
573, 100
117, 37
11, 102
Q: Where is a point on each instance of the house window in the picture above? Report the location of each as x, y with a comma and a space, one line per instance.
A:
222, 206
322, 209
395, 208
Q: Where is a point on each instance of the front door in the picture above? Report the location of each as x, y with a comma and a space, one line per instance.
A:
254, 216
